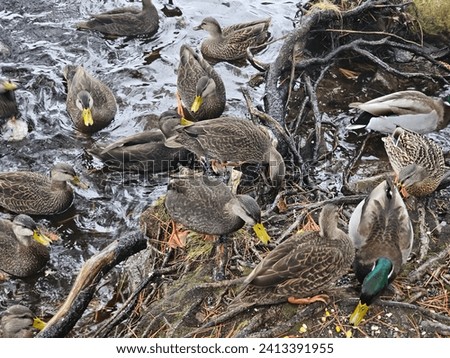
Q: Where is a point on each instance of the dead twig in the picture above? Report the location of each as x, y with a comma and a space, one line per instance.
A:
418, 273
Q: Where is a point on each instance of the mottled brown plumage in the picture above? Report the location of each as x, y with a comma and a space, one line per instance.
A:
87, 94
307, 263
127, 21
231, 43
207, 206
25, 192
417, 161
21, 254
382, 234
18, 321
231, 140
197, 78
145, 150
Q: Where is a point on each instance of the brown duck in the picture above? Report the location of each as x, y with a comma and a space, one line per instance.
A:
23, 249
418, 161
127, 21
199, 86
31, 193
231, 43
232, 140
307, 263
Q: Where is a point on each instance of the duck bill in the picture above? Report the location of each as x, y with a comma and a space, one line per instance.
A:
196, 28
9, 86
359, 313
87, 117
197, 103
77, 182
185, 122
261, 232
41, 238
38, 324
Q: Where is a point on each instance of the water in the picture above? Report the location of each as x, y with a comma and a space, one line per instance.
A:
142, 74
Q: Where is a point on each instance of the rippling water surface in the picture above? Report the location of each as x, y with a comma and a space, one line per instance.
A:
142, 74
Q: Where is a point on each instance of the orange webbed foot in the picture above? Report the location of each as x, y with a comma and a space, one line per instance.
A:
308, 300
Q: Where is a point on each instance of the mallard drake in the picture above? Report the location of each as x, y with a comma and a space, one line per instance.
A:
231, 43
412, 110
306, 263
145, 150
19, 321
8, 103
90, 102
199, 86
382, 233
206, 205
23, 249
127, 21
31, 193
233, 140
418, 162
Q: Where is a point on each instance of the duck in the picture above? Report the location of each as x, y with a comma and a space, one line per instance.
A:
18, 321
206, 205
8, 103
145, 150
307, 263
31, 193
90, 103
418, 161
127, 21
412, 110
231, 43
231, 140
199, 87
13, 129
23, 248
383, 235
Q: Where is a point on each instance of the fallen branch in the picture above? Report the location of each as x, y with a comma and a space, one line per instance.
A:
418, 273
84, 287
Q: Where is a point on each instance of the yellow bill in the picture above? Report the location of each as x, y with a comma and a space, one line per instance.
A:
38, 324
9, 86
185, 122
41, 238
359, 313
77, 182
87, 117
197, 103
261, 232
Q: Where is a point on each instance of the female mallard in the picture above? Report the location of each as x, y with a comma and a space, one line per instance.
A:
23, 249
232, 140
8, 103
306, 263
128, 21
146, 150
382, 233
231, 43
207, 206
90, 103
418, 162
20, 322
32, 193
199, 87
412, 110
